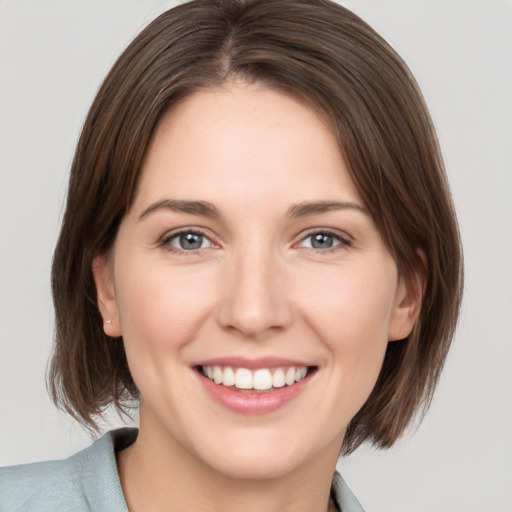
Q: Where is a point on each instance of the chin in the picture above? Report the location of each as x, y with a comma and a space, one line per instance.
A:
256, 459
247, 467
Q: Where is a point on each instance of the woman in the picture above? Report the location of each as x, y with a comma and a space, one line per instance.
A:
259, 246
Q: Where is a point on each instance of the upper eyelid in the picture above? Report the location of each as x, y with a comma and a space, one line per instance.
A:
343, 236
164, 240
345, 241
179, 231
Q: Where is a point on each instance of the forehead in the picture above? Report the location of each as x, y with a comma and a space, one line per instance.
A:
247, 140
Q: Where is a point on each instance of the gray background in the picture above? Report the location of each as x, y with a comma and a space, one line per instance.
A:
53, 55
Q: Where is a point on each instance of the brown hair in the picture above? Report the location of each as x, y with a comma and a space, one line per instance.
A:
324, 54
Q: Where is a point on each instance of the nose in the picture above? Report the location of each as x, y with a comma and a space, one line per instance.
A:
256, 298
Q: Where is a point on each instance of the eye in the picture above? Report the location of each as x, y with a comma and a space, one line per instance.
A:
187, 241
323, 240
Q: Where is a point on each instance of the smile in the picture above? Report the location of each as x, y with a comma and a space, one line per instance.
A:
261, 379
254, 386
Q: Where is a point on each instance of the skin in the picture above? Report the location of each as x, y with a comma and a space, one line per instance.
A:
255, 288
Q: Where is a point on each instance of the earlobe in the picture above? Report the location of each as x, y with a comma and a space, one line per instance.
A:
105, 293
406, 308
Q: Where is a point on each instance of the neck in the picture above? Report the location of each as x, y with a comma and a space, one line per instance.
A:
157, 473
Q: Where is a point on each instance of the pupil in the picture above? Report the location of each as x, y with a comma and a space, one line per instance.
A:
191, 241
322, 241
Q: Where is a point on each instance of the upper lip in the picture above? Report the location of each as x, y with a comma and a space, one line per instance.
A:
249, 363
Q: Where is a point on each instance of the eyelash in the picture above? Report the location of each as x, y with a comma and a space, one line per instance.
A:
166, 241
344, 241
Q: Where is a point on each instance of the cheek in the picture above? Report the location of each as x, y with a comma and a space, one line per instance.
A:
161, 307
351, 315
352, 305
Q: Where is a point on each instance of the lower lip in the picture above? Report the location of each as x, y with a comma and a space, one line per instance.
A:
245, 402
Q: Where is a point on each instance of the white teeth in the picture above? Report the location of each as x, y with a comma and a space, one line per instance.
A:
229, 377
278, 379
290, 376
261, 379
243, 378
300, 373
217, 374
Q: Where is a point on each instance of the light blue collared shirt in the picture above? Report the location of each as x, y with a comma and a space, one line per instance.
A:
89, 481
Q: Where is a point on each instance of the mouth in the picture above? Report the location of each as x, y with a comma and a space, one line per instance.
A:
255, 386
255, 380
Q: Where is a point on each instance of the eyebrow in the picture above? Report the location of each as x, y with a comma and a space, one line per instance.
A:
317, 207
207, 209
203, 208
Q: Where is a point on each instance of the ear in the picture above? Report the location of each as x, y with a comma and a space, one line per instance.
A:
102, 273
406, 307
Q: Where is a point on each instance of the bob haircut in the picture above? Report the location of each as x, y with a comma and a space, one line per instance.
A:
326, 56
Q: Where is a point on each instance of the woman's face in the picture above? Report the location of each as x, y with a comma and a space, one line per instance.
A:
248, 260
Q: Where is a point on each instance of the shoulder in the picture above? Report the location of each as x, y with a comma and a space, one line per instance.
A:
86, 481
346, 501
39, 486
